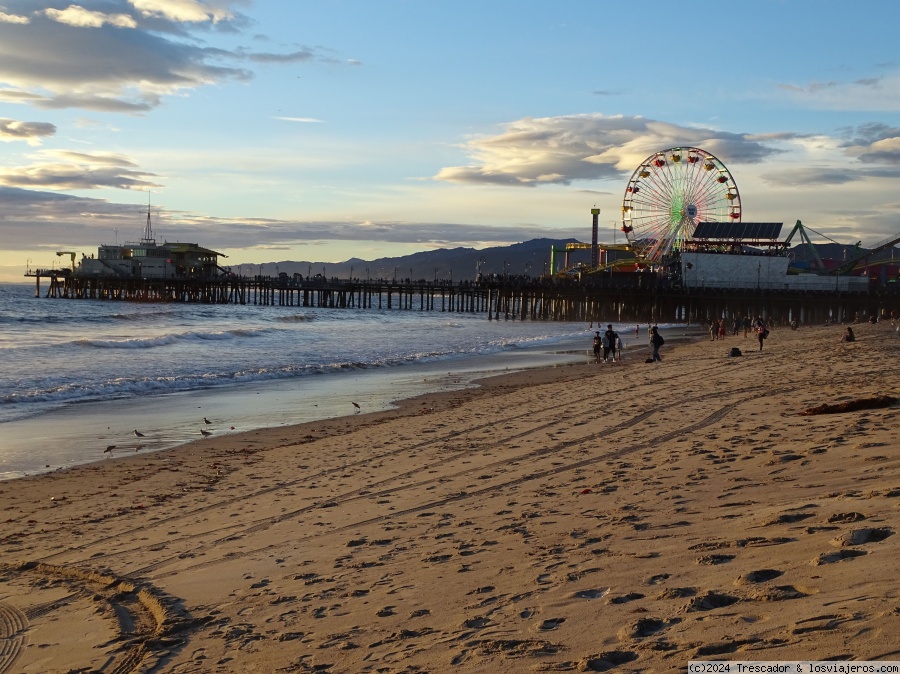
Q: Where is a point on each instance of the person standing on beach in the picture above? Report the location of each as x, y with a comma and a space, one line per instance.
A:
656, 341
746, 326
761, 332
597, 344
609, 343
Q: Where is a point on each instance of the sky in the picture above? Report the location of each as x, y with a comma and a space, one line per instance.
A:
336, 129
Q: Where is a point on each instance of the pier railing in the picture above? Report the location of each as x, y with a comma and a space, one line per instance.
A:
639, 298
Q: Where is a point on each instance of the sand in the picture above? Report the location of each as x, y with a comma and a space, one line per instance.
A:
625, 517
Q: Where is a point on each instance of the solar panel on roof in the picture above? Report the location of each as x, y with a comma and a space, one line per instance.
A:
737, 230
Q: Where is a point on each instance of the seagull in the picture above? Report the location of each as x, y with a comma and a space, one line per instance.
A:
356, 405
206, 421
205, 432
109, 449
138, 434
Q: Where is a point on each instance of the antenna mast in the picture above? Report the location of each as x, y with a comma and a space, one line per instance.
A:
148, 230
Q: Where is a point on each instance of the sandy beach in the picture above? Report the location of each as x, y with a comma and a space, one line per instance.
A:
621, 517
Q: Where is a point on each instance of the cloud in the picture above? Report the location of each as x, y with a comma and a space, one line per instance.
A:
873, 144
30, 132
810, 177
561, 150
75, 15
305, 120
185, 10
135, 54
12, 18
79, 171
35, 219
880, 94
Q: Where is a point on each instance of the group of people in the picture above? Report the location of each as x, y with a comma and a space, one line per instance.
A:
608, 346
718, 329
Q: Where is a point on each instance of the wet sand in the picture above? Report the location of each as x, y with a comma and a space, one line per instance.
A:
588, 517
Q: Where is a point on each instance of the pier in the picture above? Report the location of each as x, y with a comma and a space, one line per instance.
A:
617, 297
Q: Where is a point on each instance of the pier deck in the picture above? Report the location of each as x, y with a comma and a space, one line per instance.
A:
634, 297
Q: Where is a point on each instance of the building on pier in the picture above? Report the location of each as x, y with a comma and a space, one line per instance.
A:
147, 259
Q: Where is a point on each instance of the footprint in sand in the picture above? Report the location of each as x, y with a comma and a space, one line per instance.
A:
678, 593
551, 624
778, 593
625, 598
591, 594
710, 601
760, 576
839, 556
844, 518
646, 627
708, 560
862, 536
606, 661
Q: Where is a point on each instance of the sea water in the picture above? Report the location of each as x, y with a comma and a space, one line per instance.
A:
78, 376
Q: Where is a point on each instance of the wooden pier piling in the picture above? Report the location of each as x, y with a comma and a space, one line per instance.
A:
626, 298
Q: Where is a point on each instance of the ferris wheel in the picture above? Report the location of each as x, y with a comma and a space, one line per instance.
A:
670, 193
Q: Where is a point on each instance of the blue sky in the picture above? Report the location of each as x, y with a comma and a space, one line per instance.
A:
335, 129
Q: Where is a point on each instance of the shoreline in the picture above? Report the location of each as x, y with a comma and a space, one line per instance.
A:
78, 433
552, 519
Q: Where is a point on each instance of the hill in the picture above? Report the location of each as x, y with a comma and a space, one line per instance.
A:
459, 264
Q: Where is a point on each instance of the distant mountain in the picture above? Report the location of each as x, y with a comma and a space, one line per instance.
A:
520, 259
461, 264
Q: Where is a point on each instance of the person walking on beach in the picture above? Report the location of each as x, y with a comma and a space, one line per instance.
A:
609, 343
656, 341
761, 332
746, 326
597, 345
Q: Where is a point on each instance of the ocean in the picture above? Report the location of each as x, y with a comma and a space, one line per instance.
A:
77, 376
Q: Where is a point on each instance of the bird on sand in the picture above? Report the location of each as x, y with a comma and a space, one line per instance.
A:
356, 406
138, 434
206, 421
109, 449
205, 432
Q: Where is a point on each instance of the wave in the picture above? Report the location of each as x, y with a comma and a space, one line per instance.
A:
296, 318
165, 340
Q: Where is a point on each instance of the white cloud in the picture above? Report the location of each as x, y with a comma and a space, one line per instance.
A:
305, 120
68, 170
78, 16
192, 11
560, 150
13, 18
30, 132
50, 63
